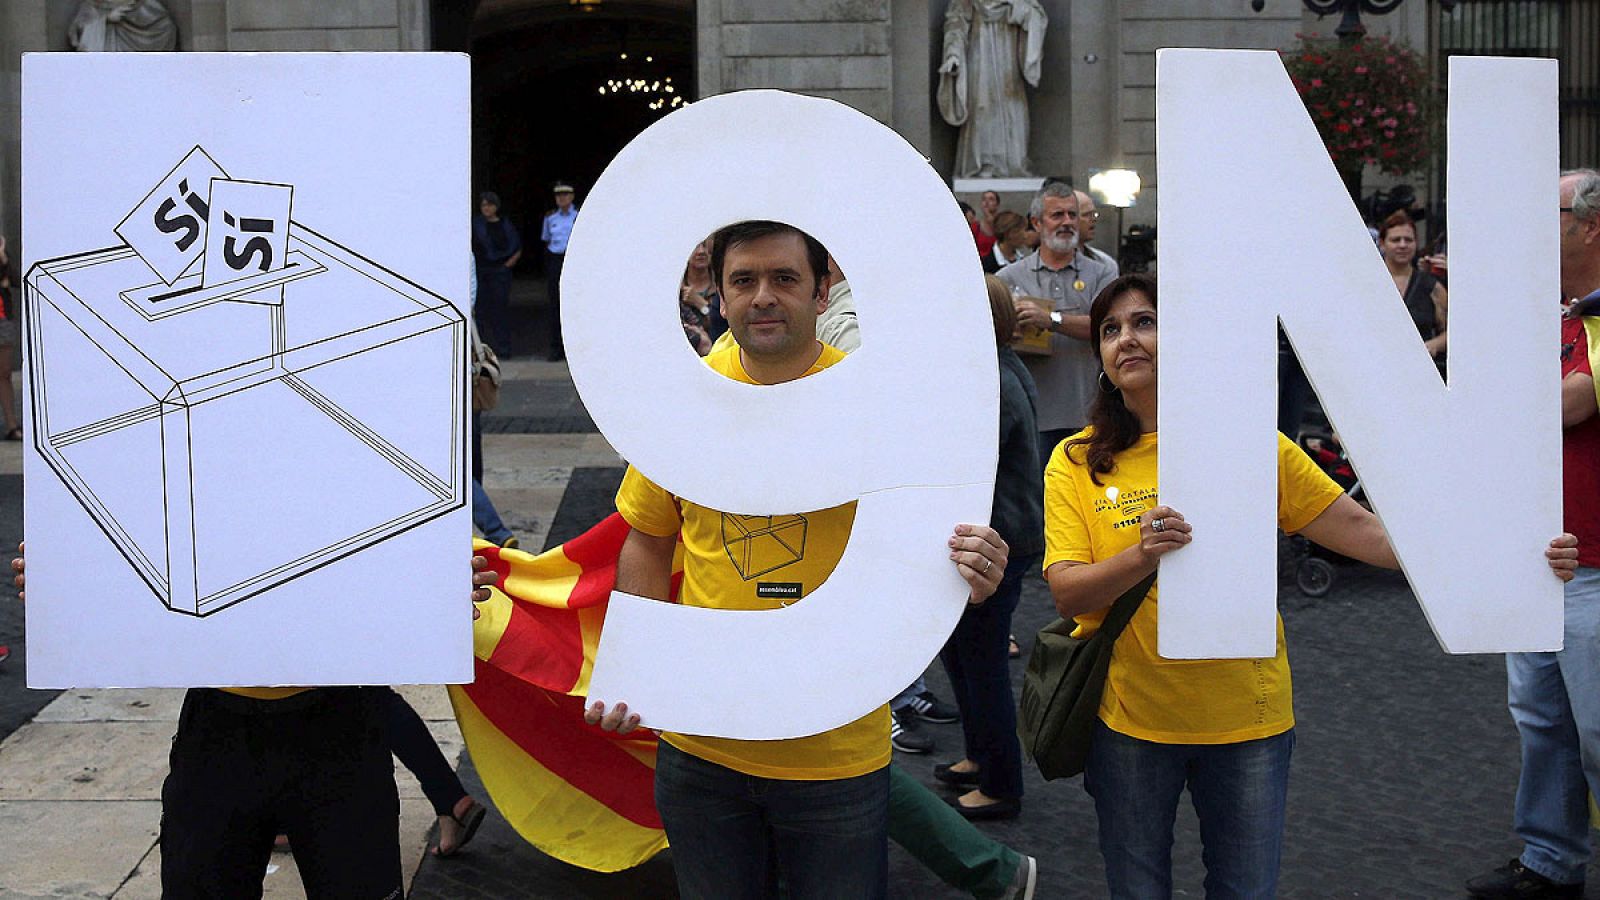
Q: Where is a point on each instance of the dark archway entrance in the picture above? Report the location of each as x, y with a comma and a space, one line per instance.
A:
537, 69
538, 113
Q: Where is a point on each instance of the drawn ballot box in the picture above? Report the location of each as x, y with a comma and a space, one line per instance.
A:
230, 435
759, 544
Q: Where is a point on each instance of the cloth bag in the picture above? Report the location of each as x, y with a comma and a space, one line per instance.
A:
1062, 686
485, 373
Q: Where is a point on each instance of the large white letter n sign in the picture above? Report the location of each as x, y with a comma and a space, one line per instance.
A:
1257, 228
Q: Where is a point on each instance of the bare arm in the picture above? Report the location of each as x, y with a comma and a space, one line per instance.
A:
1441, 308
1080, 588
1577, 399
1349, 528
1036, 314
644, 568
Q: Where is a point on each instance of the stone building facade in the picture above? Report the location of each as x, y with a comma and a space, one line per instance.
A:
1094, 106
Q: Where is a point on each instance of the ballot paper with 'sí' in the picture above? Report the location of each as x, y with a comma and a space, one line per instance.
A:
248, 232
168, 227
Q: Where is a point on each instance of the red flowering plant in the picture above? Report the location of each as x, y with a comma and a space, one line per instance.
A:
1372, 101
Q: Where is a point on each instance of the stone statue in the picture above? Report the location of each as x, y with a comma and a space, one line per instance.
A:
122, 25
990, 48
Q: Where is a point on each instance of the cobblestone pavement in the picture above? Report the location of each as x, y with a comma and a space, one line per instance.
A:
1404, 773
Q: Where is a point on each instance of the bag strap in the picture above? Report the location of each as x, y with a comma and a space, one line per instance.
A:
1128, 604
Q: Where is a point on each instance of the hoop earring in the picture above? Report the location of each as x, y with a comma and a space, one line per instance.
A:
1106, 387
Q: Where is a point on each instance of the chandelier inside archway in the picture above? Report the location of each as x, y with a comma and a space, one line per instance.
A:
641, 78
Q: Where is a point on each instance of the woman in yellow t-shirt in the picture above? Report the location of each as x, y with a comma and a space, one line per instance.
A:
1224, 728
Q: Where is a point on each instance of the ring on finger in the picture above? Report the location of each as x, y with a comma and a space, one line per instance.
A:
987, 565
1158, 524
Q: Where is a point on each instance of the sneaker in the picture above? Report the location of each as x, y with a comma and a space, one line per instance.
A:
905, 736
510, 543
1026, 879
1515, 881
929, 707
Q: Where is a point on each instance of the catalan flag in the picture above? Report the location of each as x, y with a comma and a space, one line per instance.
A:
579, 794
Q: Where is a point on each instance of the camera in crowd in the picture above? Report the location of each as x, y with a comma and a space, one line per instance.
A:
1378, 205
1137, 249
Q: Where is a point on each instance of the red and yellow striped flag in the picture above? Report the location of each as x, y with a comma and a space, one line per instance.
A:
577, 793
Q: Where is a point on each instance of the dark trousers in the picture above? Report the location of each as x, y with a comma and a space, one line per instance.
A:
1294, 392
977, 659
736, 836
1048, 440
493, 307
552, 279
314, 766
413, 743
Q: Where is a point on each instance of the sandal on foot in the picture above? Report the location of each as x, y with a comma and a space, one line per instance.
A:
469, 822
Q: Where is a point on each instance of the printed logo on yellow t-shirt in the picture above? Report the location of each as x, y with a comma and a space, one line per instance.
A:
1127, 506
760, 544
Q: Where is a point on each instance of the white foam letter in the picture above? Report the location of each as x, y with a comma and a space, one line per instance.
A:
906, 424
1256, 227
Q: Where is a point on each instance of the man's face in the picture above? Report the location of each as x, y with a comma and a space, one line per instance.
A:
1578, 239
770, 298
488, 209
1087, 217
990, 203
1058, 224
563, 200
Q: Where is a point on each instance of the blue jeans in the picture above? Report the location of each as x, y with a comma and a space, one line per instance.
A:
1555, 702
977, 658
486, 518
734, 836
1239, 793
912, 691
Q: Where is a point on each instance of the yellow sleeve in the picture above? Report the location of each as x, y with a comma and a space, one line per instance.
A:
1066, 522
647, 506
1304, 490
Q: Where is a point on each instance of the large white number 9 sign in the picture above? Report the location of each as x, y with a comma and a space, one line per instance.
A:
906, 425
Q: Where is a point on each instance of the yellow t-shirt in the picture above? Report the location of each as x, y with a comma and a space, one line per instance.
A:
1172, 701
759, 562
266, 693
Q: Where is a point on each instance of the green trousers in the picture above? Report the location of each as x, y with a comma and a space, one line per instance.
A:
950, 846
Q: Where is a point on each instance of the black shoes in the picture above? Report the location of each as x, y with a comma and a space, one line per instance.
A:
1000, 809
950, 776
906, 736
1514, 881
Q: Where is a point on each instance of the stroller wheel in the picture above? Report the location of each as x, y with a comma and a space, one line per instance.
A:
1314, 577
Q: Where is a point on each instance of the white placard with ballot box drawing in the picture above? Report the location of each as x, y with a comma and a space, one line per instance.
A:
252, 429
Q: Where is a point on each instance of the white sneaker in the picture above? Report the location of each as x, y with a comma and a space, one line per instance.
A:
1026, 879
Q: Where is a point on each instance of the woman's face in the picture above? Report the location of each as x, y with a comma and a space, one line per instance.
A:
701, 257
1400, 244
1128, 342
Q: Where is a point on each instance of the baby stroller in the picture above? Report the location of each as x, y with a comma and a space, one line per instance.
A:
1314, 565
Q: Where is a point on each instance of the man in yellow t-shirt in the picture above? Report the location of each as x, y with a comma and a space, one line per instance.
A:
814, 809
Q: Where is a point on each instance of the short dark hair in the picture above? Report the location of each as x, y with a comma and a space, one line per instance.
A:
755, 229
1395, 220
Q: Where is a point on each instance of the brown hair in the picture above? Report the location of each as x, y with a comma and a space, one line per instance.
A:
1005, 221
1115, 426
1395, 220
1003, 309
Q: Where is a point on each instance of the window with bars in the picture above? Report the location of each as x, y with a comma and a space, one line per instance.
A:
1567, 30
